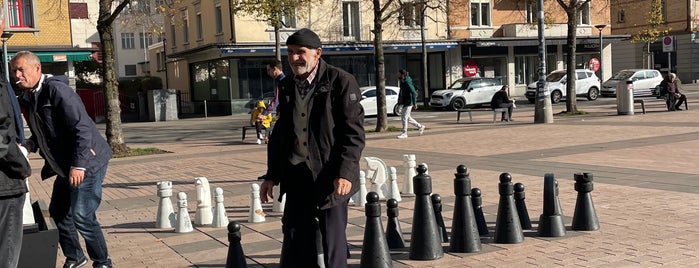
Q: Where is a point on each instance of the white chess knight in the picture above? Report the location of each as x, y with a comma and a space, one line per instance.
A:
276, 205
220, 219
184, 223
203, 215
377, 173
28, 217
409, 165
394, 192
360, 197
166, 215
256, 214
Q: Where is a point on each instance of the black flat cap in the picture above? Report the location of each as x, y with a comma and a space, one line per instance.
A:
304, 37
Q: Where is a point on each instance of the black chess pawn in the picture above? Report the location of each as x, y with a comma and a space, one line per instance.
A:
236, 257
584, 217
508, 230
551, 220
477, 204
522, 207
464, 230
437, 206
425, 243
394, 234
375, 251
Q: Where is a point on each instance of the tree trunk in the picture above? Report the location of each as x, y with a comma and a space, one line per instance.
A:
277, 44
425, 84
380, 77
571, 104
114, 133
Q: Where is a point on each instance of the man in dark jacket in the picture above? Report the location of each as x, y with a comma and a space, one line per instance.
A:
14, 168
313, 153
502, 100
671, 85
74, 150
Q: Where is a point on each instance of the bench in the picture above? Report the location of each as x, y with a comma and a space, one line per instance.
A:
268, 131
643, 101
470, 117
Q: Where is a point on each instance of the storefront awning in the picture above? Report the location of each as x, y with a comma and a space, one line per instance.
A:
56, 56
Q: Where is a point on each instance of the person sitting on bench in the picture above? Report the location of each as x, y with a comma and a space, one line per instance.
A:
261, 121
501, 99
672, 86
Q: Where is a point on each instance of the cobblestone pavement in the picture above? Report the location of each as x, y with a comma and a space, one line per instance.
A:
645, 192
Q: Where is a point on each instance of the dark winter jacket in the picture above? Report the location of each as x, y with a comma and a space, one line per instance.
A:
65, 134
407, 95
500, 97
14, 167
335, 134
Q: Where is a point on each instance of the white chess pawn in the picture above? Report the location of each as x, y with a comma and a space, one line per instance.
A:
394, 193
220, 219
28, 212
361, 195
256, 213
203, 215
276, 205
184, 223
409, 165
166, 215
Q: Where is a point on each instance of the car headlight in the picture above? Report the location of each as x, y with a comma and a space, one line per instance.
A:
448, 95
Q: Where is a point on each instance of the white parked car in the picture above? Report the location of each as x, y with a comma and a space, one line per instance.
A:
368, 101
644, 81
587, 85
466, 91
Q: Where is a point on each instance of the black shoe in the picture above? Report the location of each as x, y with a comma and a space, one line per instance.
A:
678, 109
102, 266
75, 264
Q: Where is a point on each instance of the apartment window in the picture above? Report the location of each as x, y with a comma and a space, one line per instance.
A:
130, 69
584, 14
350, 19
185, 27
411, 14
219, 20
127, 41
145, 40
621, 16
78, 10
20, 13
480, 12
173, 36
289, 21
199, 27
531, 11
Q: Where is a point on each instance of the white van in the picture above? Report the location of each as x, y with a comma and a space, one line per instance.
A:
587, 85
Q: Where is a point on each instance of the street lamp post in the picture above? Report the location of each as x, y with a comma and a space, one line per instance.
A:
5, 36
601, 27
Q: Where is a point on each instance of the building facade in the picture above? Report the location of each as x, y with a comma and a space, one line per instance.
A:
680, 55
137, 27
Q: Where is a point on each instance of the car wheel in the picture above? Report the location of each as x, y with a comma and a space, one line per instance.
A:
458, 104
592, 94
556, 96
530, 100
396, 109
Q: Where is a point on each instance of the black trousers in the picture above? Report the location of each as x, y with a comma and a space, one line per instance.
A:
311, 235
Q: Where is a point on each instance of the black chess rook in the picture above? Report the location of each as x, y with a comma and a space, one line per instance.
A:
425, 243
584, 217
524, 219
508, 230
477, 205
551, 220
375, 252
236, 257
394, 234
464, 230
437, 206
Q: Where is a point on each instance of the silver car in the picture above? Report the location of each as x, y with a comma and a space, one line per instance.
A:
466, 92
644, 81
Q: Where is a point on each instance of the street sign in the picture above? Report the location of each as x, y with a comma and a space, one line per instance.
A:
470, 68
594, 64
668, 44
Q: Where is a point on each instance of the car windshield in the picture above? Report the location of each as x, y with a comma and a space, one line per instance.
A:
623, 75
460, 84
555, 77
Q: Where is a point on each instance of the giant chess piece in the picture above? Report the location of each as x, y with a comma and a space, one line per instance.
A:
236, 257
437, 207
256, 214
427, 169
394, 192
203, 215
361, 195
377, 174
220, 219
522, 207
409, 165
278, 206
464, 230
425, 243
584, 217
477, 204
184, 223
508, 230
27, 211
166, 215
375, 251
551, 220
394, 234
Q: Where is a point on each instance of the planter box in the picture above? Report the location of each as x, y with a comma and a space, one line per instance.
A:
40, 241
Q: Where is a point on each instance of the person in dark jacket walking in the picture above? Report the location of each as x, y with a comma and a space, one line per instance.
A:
74, 150
501, 99
14, 169
407, 97
313, 153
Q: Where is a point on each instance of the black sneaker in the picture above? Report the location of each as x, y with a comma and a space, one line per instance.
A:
75, 264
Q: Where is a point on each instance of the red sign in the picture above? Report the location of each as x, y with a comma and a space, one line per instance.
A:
593, 64
470, 68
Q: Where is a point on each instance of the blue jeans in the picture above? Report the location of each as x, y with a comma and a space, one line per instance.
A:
73, 209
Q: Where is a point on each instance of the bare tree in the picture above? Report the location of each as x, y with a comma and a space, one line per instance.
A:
572, 9
382, 13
